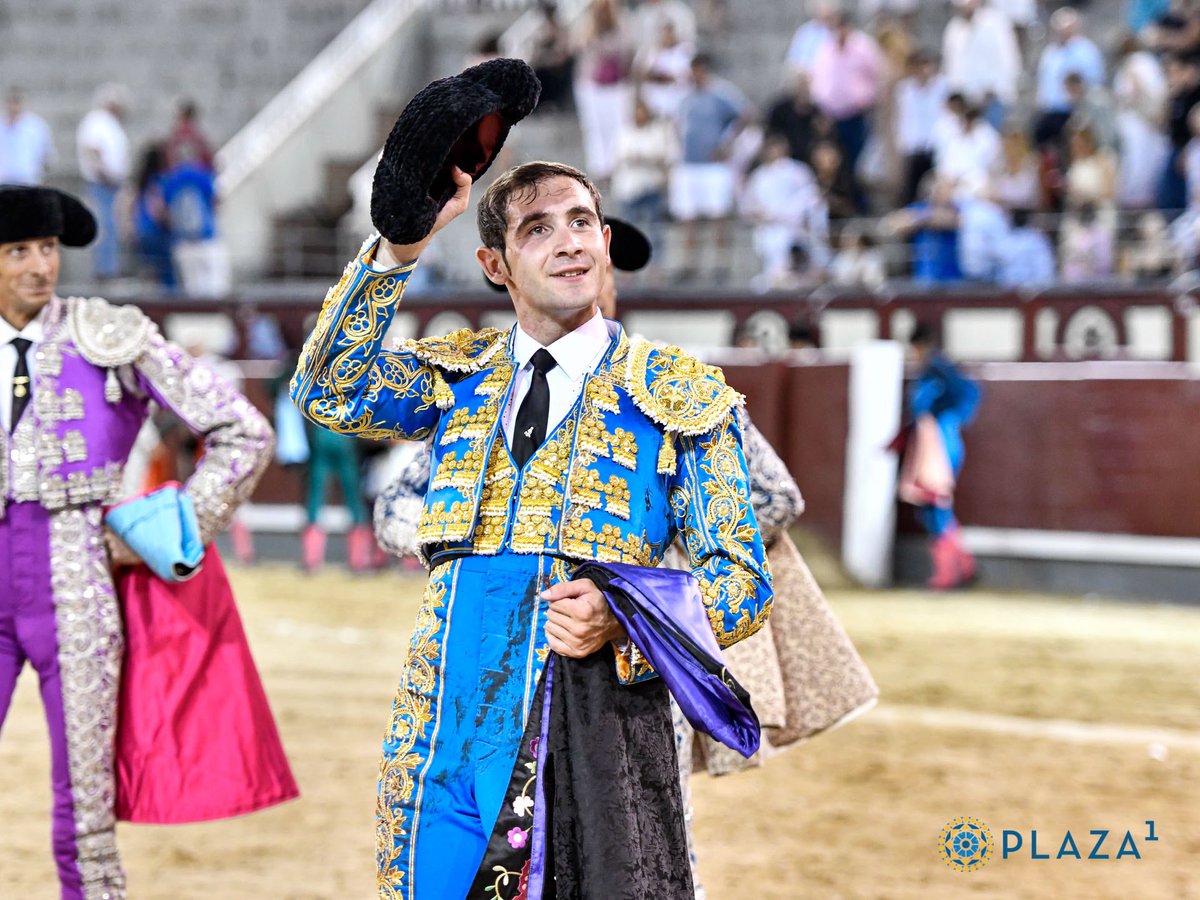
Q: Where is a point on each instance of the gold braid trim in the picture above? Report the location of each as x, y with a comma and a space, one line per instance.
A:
677, 391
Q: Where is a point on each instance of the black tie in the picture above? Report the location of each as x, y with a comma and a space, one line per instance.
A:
20, 382
530, 429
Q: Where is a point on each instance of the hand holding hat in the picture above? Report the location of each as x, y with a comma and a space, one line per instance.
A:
459, 123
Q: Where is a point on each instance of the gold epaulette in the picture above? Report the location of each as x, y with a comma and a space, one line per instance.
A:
676, 390
459, 351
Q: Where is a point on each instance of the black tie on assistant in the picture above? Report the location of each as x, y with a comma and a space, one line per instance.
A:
20, 382
530, 428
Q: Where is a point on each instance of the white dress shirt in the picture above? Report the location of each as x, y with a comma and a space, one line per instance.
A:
34, 332
577, 354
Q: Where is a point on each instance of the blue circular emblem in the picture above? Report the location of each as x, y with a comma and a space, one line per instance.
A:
965, 844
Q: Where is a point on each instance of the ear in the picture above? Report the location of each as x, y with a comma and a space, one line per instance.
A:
606, 230
495, 269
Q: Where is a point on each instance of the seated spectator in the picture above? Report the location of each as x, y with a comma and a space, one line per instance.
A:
647, 149
1190, 160
782, 200
552, 59
1140, 95
968, 153
1026, 255
981, 59
982, 230
1091, 177
1183, 93
664, 73
1069, 50
1086, 247
1151, 257
833, 181
931, 227
803, 334
857, 263
1014, 182
920, 103
796, 117
800, 274
1091, 107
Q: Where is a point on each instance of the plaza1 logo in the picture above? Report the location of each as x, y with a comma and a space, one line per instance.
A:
966, 844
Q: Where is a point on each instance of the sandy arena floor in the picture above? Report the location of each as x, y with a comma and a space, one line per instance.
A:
969, 684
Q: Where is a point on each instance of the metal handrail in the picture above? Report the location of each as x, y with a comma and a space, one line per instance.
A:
254, 144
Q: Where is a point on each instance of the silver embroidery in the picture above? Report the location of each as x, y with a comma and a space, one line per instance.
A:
4, 464
90, 645
74, 446
48, 360
72, 405
24, 456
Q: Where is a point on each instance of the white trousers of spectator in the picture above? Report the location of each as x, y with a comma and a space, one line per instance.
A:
603, 110
773, 243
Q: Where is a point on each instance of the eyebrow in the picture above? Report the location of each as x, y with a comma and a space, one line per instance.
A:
573, 212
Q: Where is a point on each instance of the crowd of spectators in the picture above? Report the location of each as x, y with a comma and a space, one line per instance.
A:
156, 210
1022, 150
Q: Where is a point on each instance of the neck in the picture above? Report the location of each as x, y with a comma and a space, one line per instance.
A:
546, 329
18, 319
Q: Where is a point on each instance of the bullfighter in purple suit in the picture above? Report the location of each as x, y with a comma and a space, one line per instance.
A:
77, 377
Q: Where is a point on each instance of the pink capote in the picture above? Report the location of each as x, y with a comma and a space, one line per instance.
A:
196, 739
926, 477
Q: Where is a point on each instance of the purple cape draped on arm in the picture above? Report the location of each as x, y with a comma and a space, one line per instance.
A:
663, 613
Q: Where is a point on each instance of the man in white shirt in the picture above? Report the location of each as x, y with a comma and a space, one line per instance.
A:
981, 59
1069, 52
966, 155
920, 104
104, 162
26, 146
651, 16
781, 198
809, 37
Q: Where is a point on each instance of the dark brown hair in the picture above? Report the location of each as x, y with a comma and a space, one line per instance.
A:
522, 181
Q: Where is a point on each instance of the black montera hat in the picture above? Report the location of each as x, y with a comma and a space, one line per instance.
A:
458, 121
29, 211
628, 248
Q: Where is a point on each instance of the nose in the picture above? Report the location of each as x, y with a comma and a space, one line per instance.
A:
42, 264
569, 243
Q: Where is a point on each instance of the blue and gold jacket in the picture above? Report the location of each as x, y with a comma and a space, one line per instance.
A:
650, 450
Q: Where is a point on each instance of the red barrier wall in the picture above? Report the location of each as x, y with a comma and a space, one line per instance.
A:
1060, 452
1105, 455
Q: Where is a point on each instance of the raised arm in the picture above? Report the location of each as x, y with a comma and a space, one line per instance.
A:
345, 381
